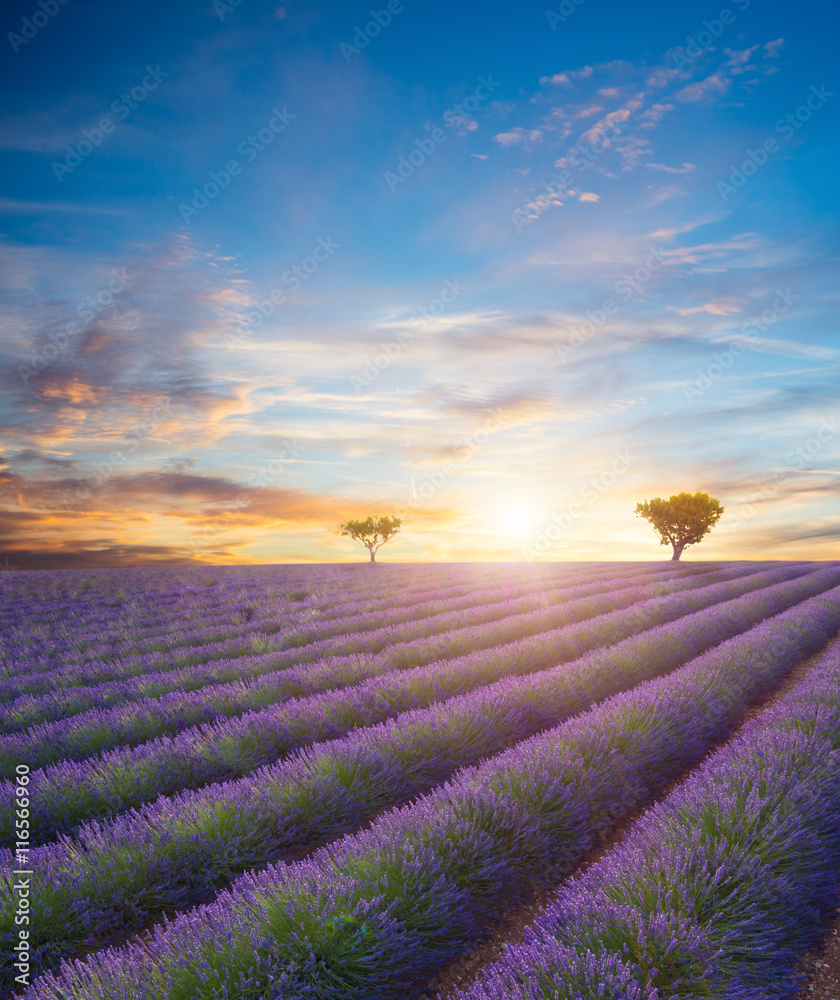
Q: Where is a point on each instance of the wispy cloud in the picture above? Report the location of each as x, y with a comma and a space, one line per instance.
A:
14, 207
518, 136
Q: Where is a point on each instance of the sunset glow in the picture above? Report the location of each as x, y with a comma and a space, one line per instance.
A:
267, 268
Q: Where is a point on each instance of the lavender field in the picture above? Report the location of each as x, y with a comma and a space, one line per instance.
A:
340, 781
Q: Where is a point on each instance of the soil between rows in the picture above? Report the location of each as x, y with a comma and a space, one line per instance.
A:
821, 967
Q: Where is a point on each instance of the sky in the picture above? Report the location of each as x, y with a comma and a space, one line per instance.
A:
503, 270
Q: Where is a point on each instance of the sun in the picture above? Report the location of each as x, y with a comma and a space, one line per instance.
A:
518, 520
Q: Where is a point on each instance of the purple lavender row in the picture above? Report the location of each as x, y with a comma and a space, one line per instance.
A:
111, 638
270, 620
91, 732
28, 594
718, 889
306, 643
359, 596
28, 710
162, 634
46, 662
162, 609
86, 587
379, 912
40, 670
70, 639
15, 641
42, 649
106, 652
134, 665
113, 592
114, 874
375, 589
68, 793
181, 644
158, 611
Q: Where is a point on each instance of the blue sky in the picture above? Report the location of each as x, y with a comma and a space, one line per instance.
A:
505, 269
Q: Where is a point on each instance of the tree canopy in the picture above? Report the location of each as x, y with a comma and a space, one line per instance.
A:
372, 532
681, 520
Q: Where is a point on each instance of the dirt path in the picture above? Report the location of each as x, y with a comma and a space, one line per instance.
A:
511, 930
821, 968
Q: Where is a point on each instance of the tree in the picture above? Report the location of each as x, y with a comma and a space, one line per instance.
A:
373, 531
681, 520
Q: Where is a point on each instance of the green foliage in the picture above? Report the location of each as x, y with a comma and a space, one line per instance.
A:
373, 531
683, 519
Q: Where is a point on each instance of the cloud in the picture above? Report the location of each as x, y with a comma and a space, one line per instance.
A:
517, 136
708, 251
621, 141
713, 86
685, 227
788, 348
720, 307
17, 207
631, 150
562, 79
120, 352
589, 110
41, 133
596, 134
105, 553
661, 77
660, 194
588, 196
205, 507
654, 115
683, 168
738, 61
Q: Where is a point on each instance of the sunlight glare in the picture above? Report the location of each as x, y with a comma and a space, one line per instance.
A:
518, 520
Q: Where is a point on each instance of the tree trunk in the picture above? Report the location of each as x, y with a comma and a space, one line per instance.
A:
678, 549
373, 555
